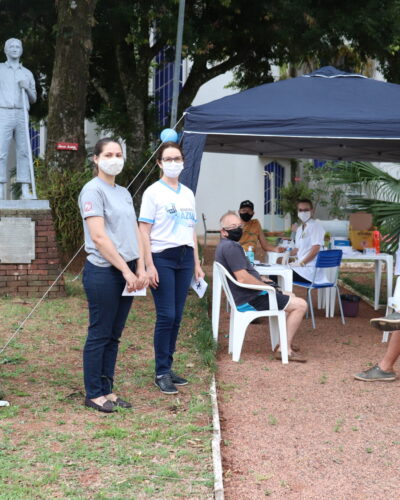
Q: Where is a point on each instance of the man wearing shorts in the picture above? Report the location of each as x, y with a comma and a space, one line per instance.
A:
231, 255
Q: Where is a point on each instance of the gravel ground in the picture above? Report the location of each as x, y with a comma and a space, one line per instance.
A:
309, 431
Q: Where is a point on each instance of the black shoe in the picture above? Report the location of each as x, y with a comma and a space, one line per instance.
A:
107, 407
177, 380
121, 403
165, 384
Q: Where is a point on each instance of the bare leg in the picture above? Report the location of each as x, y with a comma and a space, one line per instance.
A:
296, 309
392, 352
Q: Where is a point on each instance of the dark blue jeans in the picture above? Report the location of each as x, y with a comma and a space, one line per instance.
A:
108, 311
175, 270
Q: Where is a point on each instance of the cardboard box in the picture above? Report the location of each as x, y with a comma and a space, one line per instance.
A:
361, 239
361, 233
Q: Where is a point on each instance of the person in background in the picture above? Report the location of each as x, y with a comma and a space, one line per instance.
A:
167, 219
384, 371
252, 230
230, 254
115, 260
308, 242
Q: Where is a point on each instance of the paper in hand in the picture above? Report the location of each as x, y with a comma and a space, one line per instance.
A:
136, 293
199, 286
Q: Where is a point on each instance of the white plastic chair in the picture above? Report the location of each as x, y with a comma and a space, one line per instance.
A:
393, 305
239, 321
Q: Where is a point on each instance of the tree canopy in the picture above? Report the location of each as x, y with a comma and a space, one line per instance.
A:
219, 35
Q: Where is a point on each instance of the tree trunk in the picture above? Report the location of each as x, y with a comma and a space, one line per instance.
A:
134, 77
68, 90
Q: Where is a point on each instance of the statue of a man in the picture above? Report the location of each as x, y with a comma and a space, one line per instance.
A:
17, 91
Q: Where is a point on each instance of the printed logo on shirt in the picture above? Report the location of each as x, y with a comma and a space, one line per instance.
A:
88, 207
182, 217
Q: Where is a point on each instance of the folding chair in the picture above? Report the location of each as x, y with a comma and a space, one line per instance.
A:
393, 305
327, 259
207, 231
239, 320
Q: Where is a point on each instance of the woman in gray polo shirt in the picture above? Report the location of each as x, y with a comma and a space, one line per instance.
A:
114, 260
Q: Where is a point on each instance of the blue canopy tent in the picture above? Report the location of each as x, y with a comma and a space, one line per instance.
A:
328, 114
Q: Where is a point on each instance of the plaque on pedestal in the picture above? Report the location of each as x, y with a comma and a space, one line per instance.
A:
17, 240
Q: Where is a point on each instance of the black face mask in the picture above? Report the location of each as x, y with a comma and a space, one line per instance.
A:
246, 217
234, 234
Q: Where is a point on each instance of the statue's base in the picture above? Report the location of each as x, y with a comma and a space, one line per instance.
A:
24, 205
33, 279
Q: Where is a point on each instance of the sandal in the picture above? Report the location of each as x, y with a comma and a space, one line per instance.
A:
295, 348
291, 357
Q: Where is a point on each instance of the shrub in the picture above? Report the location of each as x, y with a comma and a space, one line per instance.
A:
62, 188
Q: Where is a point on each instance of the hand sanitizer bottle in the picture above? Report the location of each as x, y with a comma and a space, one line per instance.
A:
250, 255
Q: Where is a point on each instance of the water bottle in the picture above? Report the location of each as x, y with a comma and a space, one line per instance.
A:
250, 255
286, 255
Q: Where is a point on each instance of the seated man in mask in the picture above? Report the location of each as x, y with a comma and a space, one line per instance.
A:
252, 230
231, 255
308, 242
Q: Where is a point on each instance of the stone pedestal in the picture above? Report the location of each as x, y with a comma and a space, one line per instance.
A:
42, 266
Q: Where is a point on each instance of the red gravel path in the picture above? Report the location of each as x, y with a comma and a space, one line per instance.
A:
309, 431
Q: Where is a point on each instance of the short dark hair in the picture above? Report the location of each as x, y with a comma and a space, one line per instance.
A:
305, 200
165, 145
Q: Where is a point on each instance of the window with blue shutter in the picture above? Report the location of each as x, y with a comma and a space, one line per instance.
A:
279, 179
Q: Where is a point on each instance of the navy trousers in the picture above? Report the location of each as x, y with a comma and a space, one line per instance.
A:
175, 270
108, 312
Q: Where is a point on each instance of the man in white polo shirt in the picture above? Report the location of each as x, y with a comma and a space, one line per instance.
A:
309, 241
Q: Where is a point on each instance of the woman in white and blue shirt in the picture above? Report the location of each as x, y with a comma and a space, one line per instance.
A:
167, 220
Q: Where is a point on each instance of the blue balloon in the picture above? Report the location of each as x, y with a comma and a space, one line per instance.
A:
169, 134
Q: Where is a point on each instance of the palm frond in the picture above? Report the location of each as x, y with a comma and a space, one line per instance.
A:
376, 183
386, 218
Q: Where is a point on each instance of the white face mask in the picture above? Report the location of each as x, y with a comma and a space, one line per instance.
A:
111, 166
304, 216
172, 168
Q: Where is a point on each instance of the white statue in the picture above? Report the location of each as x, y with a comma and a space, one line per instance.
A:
17, 91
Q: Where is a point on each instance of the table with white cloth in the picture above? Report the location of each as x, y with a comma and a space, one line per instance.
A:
378, 259
285, 281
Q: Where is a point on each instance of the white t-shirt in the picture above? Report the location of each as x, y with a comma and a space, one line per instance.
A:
312, 234
172, 214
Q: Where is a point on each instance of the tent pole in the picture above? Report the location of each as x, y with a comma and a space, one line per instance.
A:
177, 64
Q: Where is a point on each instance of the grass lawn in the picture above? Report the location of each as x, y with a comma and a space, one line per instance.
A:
51, 446
364, 283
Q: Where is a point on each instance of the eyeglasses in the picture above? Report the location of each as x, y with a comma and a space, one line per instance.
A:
177, 159
233, 226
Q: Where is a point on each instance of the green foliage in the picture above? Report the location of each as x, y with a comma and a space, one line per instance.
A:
62, 189
381, 199
290, 194
324, 193
202, 334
